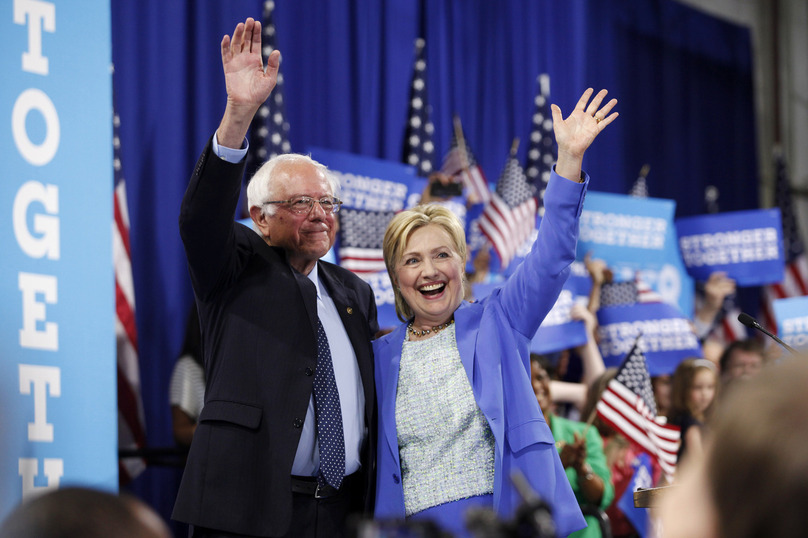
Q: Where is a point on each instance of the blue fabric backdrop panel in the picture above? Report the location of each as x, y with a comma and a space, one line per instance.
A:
665, 61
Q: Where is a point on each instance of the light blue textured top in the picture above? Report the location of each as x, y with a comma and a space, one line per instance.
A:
445, 444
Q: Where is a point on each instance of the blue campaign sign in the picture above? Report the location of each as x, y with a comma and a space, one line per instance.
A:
625, 229
636, 237
57, 336
641, 479
791, 316
559, 331
368, 183
666, 336
372, 191
747, 245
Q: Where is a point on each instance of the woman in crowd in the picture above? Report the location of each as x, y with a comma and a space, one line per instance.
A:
457, 412
695, 382
580, 448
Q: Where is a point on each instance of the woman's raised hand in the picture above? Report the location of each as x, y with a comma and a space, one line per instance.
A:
577, 132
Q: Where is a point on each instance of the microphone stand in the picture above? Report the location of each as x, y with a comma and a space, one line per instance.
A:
752, 323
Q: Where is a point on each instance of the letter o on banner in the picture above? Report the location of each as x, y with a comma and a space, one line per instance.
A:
34, 99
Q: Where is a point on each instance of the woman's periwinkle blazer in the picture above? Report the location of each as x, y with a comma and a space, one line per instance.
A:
493, 338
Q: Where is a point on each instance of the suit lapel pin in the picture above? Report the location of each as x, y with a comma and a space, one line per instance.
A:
349, 310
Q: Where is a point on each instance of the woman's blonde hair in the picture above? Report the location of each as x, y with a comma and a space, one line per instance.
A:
398, 233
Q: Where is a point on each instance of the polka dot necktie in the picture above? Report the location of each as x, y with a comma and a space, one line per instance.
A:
329, 416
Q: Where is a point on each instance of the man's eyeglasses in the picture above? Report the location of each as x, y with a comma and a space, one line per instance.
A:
303, 204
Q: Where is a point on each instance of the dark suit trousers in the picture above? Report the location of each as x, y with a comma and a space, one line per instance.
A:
312, 518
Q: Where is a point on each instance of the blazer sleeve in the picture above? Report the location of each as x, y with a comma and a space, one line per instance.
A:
532, 290
207, 221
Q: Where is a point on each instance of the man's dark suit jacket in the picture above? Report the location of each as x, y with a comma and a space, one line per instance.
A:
258, 318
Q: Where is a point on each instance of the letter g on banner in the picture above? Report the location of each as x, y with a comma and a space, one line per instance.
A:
47, 244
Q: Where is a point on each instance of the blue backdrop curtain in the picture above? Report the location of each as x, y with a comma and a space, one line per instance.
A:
684, 81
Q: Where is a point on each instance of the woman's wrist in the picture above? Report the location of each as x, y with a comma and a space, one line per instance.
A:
585, 472
569, 166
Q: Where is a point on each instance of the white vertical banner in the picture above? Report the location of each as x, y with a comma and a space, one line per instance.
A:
57, 335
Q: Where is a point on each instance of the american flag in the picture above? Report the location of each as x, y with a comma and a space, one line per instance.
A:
796, 274
640, 187
510, 216
269, 131
131, 423
460, 161
627, 293
541, 150
419, 150
361, 235
627, 404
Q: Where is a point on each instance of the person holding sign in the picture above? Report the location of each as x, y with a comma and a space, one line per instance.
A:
284, 442
457, 412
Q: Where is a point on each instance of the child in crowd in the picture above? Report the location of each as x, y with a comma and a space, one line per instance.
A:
662, 386
693, 394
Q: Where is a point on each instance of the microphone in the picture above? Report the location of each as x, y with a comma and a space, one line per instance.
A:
752, 323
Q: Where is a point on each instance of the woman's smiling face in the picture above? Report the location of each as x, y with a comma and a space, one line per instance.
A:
430, 276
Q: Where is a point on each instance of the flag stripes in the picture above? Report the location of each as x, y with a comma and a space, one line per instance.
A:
131, 422
624, 411
509, 217
627, 404
361, 260
361, 234
459, 161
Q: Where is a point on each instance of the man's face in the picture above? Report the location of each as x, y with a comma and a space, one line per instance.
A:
743, 364
306, 237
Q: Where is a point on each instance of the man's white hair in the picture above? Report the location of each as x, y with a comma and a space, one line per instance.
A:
263, 185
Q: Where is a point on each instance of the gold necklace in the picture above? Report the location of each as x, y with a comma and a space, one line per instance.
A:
435, 329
